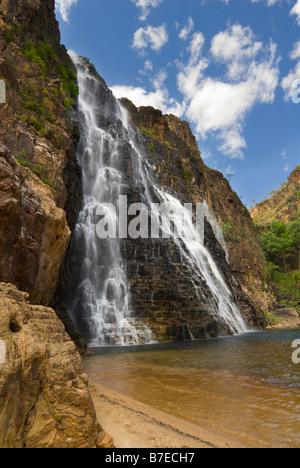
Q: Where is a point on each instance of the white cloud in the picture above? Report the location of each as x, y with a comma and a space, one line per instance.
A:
219, 106
148, 65
296, 11
235, 47
288, 82
150, 36
269, 2
186, 31
64, 7
145, 6
159, 98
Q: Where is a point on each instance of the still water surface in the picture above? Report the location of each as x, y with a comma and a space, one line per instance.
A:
245, 387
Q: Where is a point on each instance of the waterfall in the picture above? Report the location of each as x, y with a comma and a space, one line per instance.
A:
99, 297
100, 305
190, 243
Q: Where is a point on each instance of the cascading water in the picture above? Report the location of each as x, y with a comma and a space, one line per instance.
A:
100, 305
190, 243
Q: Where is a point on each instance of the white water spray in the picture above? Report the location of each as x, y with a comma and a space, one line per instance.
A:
101, 302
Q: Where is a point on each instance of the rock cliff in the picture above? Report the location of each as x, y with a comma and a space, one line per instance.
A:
174, 153
44, 397
34, 235
277, 221
283, 205
39, 130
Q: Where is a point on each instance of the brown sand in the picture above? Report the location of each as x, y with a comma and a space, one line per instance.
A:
135, 425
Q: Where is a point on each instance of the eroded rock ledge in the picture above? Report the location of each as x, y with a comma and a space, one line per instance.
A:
34, 234
44, 399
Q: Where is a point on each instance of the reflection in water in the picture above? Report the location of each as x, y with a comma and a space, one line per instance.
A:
244, 386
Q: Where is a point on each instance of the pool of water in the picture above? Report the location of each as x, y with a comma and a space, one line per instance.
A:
245, 386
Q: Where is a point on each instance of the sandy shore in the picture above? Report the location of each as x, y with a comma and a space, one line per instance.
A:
135, 425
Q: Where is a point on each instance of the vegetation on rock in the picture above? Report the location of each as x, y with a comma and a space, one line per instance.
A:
277, 221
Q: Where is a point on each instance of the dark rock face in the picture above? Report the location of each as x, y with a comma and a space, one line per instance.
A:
174, 153
163, 293
180, 166
37, 15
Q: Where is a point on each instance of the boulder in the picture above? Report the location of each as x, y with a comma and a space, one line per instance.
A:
291, 318
44, 398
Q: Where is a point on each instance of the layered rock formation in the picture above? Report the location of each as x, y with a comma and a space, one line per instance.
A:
44, 399
288, 319
283, 205
173, 151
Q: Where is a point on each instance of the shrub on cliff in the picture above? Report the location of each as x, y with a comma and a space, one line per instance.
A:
281, 244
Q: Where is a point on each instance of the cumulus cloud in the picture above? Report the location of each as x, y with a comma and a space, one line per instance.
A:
145, 6
150, 36
64, 7
159, 98
220, 105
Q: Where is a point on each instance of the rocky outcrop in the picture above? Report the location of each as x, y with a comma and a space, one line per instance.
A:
288, 319
36, 123
44, 399
36, 16
34, 234
283, 205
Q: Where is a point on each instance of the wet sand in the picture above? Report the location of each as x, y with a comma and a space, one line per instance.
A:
135, 425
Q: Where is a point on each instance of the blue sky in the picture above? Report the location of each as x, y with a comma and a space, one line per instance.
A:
228, 67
